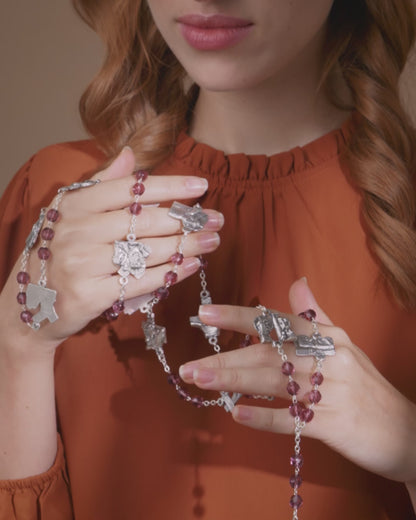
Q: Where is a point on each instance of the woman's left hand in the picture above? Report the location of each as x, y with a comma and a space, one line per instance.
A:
361, 415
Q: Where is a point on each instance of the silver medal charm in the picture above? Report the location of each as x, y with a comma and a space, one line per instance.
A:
130, 256
314, 345
193, 218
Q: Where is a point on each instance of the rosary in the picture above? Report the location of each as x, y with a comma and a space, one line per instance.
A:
130, 257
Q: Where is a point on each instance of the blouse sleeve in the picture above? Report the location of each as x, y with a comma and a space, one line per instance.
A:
44, 496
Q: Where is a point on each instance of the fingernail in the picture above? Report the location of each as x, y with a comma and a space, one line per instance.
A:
243, 413
203, 375
196, 184
215, 221
208, 241
208, 312
187, 371
127, 147
305, 279
191, 265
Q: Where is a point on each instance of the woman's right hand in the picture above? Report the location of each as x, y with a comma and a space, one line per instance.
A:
81, 269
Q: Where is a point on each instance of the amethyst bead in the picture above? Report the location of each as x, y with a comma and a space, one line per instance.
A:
307, 415
161, 294
138, 188
295, 481
197, 401
296, 501
171, 277
292, 388
173, 379
47, 233
52, 215
26, 317
296, 409
287, 368
177, 258
135, 208
21, 298
183, 394
23, 277
296, 460
141, 175
309, 315
314, 396
317, 378
44, 253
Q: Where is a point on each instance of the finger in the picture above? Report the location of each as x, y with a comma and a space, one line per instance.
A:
117, 193
121, 166
161, 250
107, 290
152, 222
269, 419
301, 299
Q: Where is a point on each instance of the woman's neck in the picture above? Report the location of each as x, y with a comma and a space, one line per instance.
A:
277, 115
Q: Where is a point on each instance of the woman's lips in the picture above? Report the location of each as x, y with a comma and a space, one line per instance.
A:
208, 33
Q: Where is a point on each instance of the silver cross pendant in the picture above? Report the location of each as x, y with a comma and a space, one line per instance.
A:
38, 296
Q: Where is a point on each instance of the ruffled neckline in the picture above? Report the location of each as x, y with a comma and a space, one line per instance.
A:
240, 166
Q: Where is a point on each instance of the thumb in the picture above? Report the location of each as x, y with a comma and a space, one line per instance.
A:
124, 164
301, 299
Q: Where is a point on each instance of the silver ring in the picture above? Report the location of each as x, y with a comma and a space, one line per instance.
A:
130, 256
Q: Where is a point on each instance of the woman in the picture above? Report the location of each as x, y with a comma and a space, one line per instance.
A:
252, 79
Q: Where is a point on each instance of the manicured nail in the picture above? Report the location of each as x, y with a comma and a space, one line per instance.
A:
305, 279
208, 241
187, 371
210, 312
215, 221
243, 413
127, 147
204, 375
191, 265
196, 184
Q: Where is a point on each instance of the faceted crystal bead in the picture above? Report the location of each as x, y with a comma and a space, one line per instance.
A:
138, 188
292, 387
52, 215
141, 175
118, 306
135, 208
171, 277
314, 396
307, 415
177, 258
296, 409
296, 501
173, 379
44, 253
204, 262
21, 298
26, 317
309, 315
47, 233
296, 460
197, 401
317, 378
23, 277
288, 368
183, 394
110, 315
161, 294
295, 481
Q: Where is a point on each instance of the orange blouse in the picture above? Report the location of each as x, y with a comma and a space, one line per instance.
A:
130, 448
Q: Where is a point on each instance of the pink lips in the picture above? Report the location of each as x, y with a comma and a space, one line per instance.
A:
208, 33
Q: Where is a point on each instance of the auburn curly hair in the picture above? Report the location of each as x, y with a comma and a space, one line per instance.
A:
138, 98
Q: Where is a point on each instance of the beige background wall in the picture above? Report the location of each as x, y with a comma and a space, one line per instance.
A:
47, 56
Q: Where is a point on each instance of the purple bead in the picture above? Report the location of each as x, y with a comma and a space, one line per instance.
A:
246, 342
23, 277
177, 258
296, 409
292, 388
204, 262
135, 208
317, 378
197, 401
296, 501
183, 394
314, 396
47, 233
138, 188
171, 277
287, 368
52, 215
21, 298
44, 253
26, 317
309, 315
307, 415
296, 460
141, 175
118, 306
110, 315
173, 379
295, 481
161, 294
